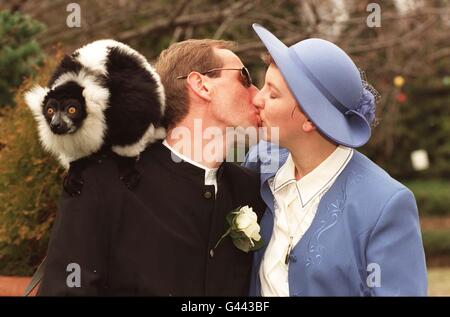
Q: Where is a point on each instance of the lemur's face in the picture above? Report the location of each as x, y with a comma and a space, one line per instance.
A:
65, 108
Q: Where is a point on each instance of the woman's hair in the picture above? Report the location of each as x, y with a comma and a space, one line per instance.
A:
267, 59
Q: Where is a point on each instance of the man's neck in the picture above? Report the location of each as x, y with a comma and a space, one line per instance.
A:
188, 139
307, 155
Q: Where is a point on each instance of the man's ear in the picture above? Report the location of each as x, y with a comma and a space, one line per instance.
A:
308, 126
199, 85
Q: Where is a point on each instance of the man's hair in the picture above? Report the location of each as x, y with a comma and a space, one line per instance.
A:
179, 59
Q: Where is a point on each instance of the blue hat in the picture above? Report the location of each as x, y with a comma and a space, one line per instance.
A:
326, 84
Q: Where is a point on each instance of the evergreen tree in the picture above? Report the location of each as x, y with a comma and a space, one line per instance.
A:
19, 52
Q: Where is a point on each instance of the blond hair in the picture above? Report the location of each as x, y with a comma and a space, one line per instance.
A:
180, 59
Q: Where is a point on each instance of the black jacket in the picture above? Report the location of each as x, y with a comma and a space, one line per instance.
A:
156, 239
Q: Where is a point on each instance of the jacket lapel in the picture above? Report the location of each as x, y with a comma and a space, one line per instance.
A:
271, 162
329, 212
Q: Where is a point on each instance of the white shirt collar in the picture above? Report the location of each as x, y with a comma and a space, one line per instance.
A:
318, 179
210, 173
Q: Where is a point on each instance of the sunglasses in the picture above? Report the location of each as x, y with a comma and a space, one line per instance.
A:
246, 79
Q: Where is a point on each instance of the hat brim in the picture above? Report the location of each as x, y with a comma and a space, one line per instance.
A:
350, 130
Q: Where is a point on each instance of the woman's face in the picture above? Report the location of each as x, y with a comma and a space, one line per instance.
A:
280, 115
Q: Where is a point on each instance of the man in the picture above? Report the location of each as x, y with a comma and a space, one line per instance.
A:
161, 238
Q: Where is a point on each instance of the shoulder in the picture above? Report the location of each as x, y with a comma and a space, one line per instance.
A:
365, 171
241, 174
373, 192
101, 186
244, 185
101, 177
102, 168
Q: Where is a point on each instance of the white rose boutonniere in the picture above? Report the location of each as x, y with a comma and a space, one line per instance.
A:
243, 229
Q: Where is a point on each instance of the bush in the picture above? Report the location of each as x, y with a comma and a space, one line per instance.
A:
432, 196
30, 185
436, 242
19, 52
422, 122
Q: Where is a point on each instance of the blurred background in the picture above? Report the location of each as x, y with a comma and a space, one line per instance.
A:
402, 45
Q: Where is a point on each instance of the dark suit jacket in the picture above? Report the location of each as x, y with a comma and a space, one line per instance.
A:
157, 239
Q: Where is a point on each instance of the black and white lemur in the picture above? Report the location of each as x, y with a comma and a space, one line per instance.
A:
104, 99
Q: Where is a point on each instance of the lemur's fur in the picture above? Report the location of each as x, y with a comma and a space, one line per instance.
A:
124, 103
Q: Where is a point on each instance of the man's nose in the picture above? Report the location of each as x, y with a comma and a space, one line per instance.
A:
254, 89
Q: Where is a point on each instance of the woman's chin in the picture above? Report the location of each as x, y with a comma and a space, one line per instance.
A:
270, 134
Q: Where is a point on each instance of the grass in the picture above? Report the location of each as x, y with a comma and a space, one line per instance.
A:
439, 281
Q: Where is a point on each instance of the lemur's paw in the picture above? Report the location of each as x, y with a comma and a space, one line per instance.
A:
73, 184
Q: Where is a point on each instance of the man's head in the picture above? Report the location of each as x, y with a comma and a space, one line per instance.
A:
205, 76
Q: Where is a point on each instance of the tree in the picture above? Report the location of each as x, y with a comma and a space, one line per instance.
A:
19, 52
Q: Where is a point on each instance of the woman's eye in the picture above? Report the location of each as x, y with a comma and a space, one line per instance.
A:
72, 110
50, 111
272, 96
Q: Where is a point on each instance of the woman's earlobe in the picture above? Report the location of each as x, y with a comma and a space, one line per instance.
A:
308, 126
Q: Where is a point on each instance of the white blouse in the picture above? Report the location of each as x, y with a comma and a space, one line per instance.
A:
296, 204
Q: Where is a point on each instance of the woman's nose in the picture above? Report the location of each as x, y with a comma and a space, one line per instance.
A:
258, 100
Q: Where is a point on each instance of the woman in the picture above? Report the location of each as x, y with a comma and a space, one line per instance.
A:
336, 223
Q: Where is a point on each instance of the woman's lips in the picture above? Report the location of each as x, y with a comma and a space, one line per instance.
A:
258, 119
261, 121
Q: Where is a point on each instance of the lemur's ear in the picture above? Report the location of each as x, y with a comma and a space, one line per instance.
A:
34, 99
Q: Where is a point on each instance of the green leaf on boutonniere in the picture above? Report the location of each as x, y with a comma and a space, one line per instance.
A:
258, 244
243, 229
230, 218
242, 244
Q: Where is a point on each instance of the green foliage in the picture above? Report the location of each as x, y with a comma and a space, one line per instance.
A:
426, 124
432, 196
436, 242
423, 122
19, 52
30, 184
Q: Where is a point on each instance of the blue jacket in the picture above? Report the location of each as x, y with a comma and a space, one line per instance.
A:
365, 239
